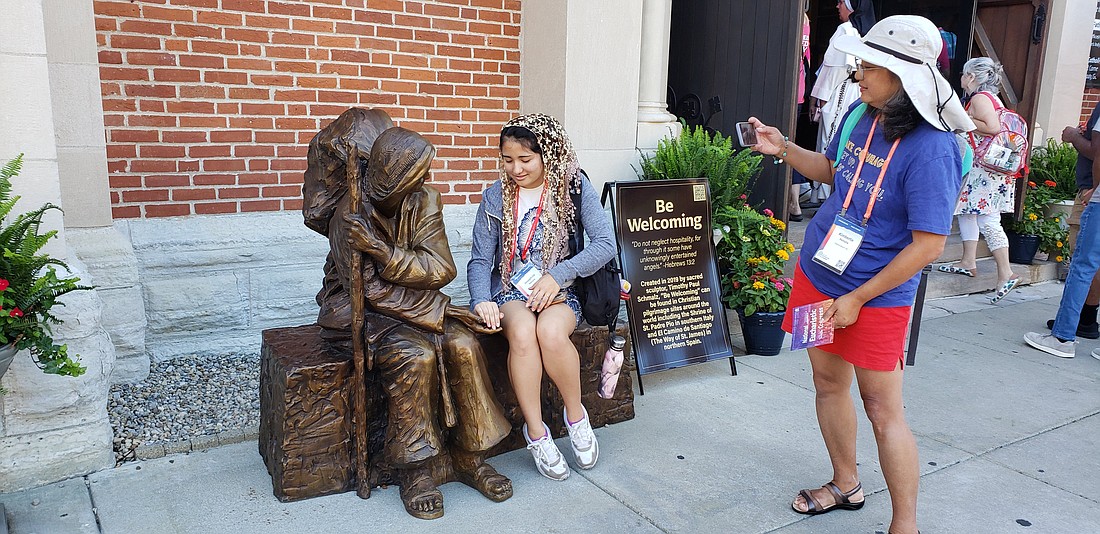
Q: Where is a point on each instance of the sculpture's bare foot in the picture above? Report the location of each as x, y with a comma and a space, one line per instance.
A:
472, 470
422, 498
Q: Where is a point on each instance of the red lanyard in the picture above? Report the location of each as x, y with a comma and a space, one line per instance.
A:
859, 169
531, 236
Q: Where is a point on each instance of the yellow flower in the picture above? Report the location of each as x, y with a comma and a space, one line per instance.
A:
783, 254
752, 261
758, 285
779, 224
789, 247
1032, 217
1059, 245
1058, 259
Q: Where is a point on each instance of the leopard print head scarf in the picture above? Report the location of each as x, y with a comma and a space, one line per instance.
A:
562, 176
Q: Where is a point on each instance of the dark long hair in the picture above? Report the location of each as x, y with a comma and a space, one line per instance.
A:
522, 136
898, 116
863, 16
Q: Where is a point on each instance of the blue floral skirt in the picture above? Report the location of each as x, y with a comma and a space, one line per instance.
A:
571, 300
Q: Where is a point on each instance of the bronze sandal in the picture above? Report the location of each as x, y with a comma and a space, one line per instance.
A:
840, 498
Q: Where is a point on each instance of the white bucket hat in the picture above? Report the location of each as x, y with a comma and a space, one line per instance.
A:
908, 46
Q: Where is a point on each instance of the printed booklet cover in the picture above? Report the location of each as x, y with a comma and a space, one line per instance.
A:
807, 327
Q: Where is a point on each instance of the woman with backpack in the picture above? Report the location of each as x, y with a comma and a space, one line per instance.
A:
521, 275
896, 179
985, 194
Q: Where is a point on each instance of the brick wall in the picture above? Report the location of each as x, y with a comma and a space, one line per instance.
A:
209, 105
1092, 96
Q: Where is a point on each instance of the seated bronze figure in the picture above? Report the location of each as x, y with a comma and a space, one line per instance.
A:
388, 258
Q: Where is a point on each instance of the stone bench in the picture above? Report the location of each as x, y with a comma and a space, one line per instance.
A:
306, 408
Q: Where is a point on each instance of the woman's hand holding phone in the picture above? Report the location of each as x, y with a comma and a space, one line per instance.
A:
768, 139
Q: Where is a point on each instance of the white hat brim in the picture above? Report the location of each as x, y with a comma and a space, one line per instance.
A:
930, 93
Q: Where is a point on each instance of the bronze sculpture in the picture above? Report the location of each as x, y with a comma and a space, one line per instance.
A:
388, 259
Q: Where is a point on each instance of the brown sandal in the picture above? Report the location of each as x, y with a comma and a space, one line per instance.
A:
840, 498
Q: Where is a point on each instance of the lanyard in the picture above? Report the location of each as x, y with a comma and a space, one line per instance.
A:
531, 236
859, 169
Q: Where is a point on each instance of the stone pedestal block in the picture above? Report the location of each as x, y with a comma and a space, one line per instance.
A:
306, 408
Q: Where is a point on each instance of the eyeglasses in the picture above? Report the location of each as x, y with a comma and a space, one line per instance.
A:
861, 69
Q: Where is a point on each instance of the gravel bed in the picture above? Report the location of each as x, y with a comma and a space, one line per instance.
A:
184, 399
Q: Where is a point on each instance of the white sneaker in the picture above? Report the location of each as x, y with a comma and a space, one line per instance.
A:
586, 450
1050, 344
1096, 353
548, 458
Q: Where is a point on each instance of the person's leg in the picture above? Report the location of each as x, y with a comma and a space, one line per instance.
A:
897, 449
794, 210
836, 417
968, 231
995, 237
1082, 269
560, 357
524, 363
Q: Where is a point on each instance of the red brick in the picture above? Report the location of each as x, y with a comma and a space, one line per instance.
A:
291, 178
145, 195
202, 122
125, 212
222, 165
120, 181
231, 136
176, 75
201, 91
214, 179
255, 6
161, 151
123, 73
275, 137
289, 164
167, 210
152, 165
220, 18
110, 57
120, 104
304, 67
316, 26
272, 79
184, 195
258, 165
337, 96
289, 8
196, 3
321, 12
211, 208
135, 42
257, 178
167, 181
317, 82
275, 23
209, 151
187, 165
282, 191
161, 13
184, 137
226, 77
205, 62
292, 204
253, 123
238, 192
215, 48
154, 91
134, 136
386, 5
260, 205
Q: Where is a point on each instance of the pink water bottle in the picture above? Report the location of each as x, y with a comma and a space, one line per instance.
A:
612, 364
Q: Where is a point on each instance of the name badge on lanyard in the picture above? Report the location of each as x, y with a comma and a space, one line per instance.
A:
525, 277
844, 238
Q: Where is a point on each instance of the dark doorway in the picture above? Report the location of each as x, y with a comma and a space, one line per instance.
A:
732, 59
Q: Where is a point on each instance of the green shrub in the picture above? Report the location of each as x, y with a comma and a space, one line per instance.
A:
694, 154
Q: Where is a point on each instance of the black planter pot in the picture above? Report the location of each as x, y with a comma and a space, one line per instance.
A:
763, 332
1022, 247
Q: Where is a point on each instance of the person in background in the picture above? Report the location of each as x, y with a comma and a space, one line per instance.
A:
521, 273
794, 210
985, 194
1081, 294
903, 148
834, 92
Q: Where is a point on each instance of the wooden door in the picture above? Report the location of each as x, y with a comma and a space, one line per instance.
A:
732, 59
1013, 33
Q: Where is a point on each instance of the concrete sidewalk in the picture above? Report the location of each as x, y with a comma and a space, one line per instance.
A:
1008, 436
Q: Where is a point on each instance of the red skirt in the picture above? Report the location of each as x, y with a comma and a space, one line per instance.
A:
875, 341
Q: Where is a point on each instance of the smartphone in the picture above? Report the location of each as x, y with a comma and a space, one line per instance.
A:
746, 134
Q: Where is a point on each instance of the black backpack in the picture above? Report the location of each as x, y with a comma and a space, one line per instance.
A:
598, 293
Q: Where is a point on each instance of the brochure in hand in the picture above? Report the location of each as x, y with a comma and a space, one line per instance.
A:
807, 327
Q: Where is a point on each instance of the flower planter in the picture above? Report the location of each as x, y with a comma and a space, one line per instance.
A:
763, 333
1062, 209
7, 354
1022, 247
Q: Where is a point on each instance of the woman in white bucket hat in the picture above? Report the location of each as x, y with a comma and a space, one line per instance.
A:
896, 170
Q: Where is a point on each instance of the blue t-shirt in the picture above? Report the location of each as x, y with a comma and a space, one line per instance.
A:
919, 192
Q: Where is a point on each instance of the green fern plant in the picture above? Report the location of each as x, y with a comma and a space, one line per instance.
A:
29, 283
694, 154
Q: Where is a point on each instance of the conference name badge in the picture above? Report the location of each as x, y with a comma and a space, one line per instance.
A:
840, 244
524, 279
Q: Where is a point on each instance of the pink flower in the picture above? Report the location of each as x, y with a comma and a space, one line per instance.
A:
780, 286
3, 284
768, 212
16, 313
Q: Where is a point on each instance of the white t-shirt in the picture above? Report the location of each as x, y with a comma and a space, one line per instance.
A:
529, 198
